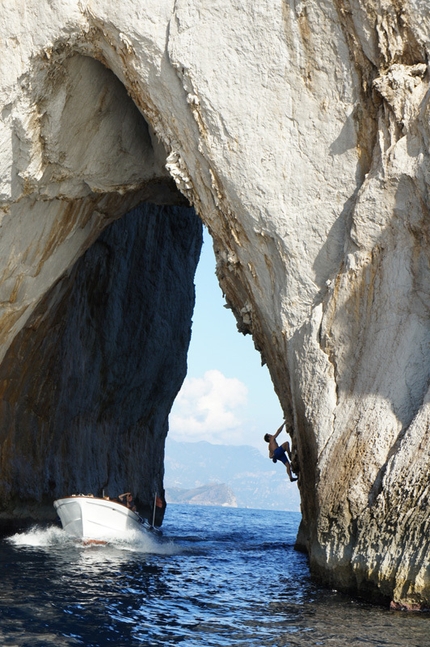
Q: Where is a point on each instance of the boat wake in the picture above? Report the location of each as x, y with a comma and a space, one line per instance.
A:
55, 537
40, 537
147, 543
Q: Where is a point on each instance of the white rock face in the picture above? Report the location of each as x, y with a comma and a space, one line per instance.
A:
299, 131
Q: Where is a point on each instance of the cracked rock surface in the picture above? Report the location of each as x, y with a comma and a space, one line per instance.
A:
299, 131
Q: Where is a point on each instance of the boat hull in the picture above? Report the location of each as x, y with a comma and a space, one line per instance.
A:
92, 518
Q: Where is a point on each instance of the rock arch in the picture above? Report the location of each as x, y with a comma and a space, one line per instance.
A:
90, 292
299, 132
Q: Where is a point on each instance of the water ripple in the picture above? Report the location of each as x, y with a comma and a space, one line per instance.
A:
220, 578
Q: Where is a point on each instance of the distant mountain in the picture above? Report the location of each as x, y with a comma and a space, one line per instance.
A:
255, 481
213, 494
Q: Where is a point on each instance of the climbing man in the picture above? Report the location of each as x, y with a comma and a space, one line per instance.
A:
277, 453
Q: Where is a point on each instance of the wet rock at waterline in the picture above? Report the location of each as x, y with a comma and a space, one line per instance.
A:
299, 131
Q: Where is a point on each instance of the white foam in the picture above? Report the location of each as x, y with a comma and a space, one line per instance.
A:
40, 537
145, 542
51, 536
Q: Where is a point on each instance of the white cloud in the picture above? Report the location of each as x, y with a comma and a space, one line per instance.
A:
210, 408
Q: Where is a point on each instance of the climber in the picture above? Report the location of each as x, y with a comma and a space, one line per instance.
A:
277, 453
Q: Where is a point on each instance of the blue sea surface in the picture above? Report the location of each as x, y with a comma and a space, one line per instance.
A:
219, 577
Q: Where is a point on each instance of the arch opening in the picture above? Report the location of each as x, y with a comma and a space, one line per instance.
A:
95, 351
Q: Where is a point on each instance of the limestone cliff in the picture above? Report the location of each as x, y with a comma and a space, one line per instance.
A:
299, 131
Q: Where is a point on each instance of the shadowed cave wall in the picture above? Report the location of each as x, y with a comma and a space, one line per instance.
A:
87, 386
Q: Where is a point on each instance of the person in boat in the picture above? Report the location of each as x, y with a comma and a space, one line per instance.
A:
127, 499
279, 452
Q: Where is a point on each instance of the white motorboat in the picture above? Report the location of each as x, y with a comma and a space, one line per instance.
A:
94, 519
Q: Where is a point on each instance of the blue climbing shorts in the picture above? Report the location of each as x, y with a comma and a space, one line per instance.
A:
280, 455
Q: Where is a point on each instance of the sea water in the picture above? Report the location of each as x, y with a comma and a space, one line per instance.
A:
219, 577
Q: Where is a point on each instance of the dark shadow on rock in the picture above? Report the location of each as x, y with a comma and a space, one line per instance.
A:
87, 386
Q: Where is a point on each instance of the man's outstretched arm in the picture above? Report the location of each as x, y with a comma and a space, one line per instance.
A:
279, 430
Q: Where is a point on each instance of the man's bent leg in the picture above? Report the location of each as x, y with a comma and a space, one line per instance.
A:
290, 474
286, 447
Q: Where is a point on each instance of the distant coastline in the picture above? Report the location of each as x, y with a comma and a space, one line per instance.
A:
200, 473
217, 494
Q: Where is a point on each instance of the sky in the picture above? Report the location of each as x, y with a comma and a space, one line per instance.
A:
227, 397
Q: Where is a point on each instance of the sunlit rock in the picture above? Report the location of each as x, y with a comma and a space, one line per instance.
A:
299, 132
